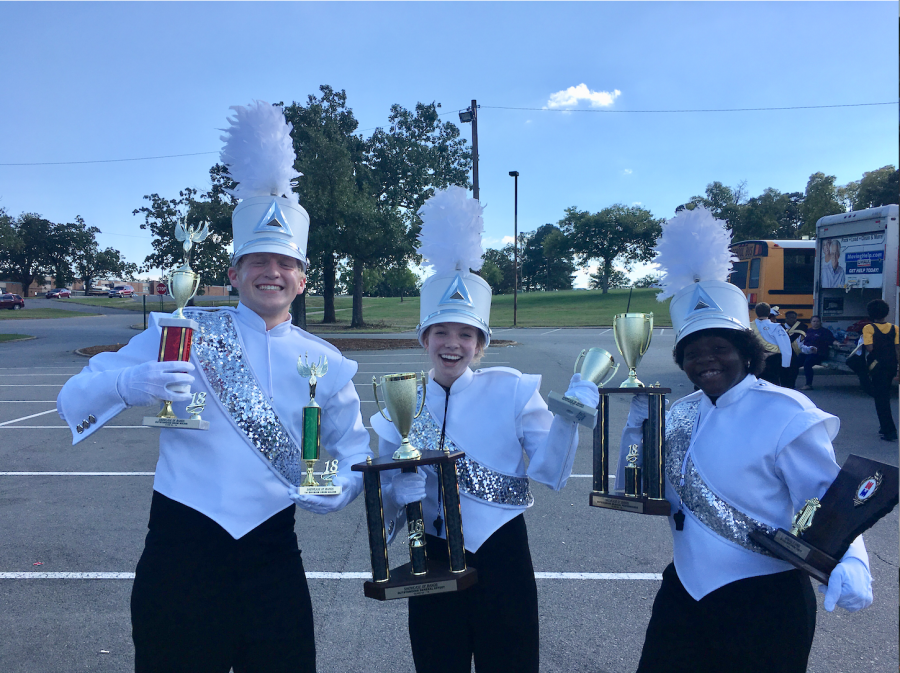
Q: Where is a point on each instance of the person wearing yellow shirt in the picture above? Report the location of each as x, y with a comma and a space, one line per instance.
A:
882, 342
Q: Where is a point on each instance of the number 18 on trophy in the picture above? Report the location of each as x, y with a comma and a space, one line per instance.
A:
312, 424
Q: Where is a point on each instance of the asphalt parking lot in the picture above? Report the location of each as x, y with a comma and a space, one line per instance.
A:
73, 519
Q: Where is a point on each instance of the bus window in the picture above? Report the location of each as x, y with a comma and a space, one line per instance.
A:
798, 270
739, 275
754, 272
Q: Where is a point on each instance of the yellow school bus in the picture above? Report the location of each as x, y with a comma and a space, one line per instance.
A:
780, 273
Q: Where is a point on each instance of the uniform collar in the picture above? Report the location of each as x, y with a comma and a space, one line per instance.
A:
250, 318
460, 384
733, 394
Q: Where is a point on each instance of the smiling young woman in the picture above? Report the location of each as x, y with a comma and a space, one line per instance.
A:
741, 454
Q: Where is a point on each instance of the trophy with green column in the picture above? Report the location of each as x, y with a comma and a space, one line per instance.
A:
312, 423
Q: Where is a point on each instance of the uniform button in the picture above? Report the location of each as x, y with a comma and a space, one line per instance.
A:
86, 423
92, 418
79, 429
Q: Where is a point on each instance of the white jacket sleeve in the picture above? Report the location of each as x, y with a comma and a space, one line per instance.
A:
633, 434
549, 441
92, 393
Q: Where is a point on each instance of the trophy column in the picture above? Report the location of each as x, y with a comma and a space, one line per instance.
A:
645, 491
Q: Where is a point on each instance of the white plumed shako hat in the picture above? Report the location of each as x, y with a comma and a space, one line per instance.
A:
259, 154
450, 241
694, 255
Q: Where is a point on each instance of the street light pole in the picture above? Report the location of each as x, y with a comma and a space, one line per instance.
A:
515, 177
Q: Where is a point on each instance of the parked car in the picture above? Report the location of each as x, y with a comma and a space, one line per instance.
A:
11, 301
121, 291
97, 291
59, 292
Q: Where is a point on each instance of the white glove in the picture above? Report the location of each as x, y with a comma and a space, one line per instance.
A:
151, 382
408, 487
639, 410
325, 504
584, 391
849, 586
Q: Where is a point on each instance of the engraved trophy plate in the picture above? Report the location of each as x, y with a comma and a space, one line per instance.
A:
421, 576
863, 492
312, 424
595, 365
177, 331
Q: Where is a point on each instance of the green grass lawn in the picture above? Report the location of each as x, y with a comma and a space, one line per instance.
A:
569, 308
14, 337
37, 313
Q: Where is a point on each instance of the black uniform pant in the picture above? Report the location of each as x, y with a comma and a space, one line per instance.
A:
789, 374
753, 625
204, 602
882, 386
496, 620
772, 370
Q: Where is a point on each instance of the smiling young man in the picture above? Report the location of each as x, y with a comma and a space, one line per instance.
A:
220, 584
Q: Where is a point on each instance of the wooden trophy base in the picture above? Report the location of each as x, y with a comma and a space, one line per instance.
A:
572, 410
175, 423
798, 553
403, 584
636, 505
319, 490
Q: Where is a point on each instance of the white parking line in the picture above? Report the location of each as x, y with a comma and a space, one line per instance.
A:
25, 418
605, 331
77, 474
550, 332
655, 577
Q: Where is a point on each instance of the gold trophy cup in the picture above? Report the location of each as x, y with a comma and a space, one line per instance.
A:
633, 332
595, 365
178, 330
399, 392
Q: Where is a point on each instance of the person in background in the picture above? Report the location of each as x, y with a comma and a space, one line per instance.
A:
814, 348
796, 331
882, 343
776, 343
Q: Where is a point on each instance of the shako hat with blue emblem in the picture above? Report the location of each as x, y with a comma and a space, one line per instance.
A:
694, 255
259, 154
450, 241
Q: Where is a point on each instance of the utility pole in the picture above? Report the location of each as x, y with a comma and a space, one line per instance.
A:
515, 176
466, 116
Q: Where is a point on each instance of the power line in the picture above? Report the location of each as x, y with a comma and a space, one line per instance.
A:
742, 109
490, 107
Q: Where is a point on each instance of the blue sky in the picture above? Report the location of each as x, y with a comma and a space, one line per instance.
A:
86, 82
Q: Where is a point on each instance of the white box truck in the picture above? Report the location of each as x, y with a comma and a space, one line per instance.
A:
857, 257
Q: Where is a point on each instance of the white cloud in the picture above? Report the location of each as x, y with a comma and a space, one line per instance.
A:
636, 203
628, 171
570, 97
507, 240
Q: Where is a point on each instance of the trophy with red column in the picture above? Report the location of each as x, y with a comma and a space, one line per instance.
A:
178, 330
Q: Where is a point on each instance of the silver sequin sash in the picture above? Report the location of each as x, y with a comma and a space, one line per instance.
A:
720, 517
219, 351
475, 479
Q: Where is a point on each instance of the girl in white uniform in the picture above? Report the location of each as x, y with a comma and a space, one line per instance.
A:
497, 417
741, 454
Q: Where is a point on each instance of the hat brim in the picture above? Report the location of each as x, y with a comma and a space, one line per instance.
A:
274, 246
452, 315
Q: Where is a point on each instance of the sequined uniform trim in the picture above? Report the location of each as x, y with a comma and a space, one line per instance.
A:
221, 356
475, 479
721, 518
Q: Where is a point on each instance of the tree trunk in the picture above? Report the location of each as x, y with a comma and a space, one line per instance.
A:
328, 279
298, 311
357, 320
607, 269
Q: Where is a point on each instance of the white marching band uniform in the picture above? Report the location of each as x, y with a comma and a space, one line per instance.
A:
497, 416
785, 458
773, 333
220, 472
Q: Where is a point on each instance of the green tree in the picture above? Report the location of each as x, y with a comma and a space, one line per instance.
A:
821, 199
877, 188
615, 234
504, 261
210, 258
650, 280
618, 279
91, 263
25, 255
547, 260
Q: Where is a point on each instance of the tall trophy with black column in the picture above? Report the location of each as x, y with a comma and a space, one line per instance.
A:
645, 491
420, 576
863, 492
178, 330
312, 423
